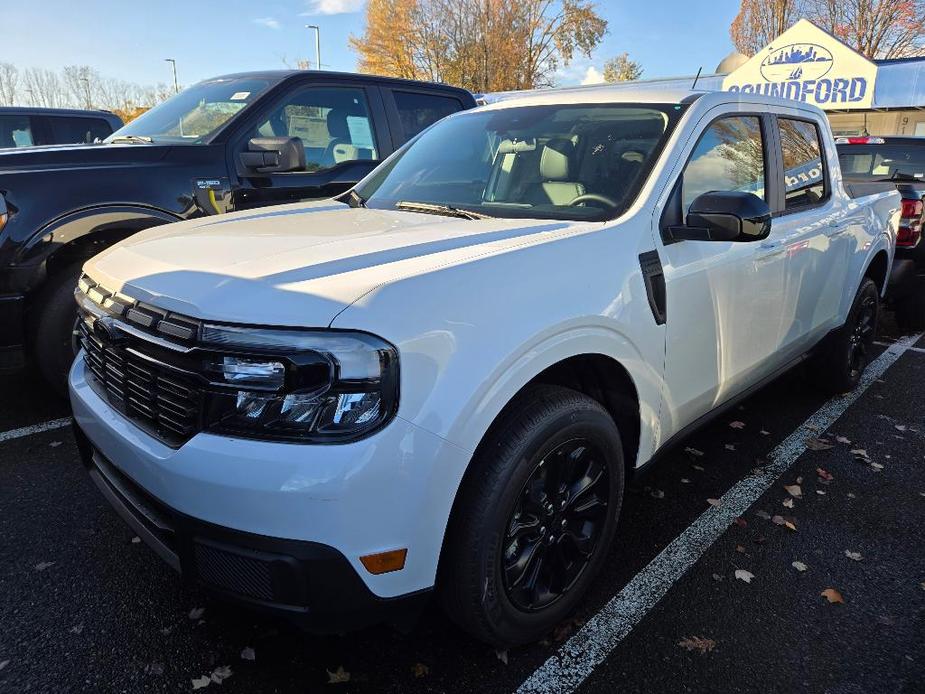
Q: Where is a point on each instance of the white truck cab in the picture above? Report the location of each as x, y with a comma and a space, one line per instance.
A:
443, 379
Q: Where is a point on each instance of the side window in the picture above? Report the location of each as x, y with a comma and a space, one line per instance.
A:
78, 130
804, 175
728, 156
418, 111
333, 123
15, 131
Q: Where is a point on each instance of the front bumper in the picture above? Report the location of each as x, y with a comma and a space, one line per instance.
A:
280, 526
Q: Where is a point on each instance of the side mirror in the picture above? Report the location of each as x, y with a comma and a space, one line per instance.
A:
725, 216
274, 154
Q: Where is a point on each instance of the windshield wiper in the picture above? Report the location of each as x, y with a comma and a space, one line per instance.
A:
354, 199
136, 139
444, 210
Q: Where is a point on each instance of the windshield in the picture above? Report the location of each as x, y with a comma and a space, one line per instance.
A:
584, 162
876, 162
195, 113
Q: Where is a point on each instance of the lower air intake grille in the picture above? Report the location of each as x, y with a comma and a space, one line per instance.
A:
234, 572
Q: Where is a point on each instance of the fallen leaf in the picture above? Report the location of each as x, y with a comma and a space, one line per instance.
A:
713, 502
788, 503
778, 520
790, 525
77, 629
221, 673
799, 566
855, 556
54, 444
717, 577
824, 474
851, 495
819, 491
420, 670
4, 663
730, 447
697, 643
197, 612
900, 427
684, 480
693, 451
502, 656
248, 654
794, 490
744, 575
816, 444
763, 514
737, 425
876, 466
339, 676
740, 549
859, 452
657, 494
201, 682
41, 566
832, 595
697, 467
764, 433
842, 439
136, 540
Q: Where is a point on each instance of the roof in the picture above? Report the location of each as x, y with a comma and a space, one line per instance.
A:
281, 75
41, 111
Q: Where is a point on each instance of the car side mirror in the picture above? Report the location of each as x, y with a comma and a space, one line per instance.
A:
273, 155
725, 216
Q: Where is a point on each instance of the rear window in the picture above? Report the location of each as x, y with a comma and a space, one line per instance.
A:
78, 130
882, 162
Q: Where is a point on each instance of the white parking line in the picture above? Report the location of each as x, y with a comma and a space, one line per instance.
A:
34, 429
576, 658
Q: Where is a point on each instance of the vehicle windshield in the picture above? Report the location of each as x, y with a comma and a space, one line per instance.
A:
574, 161
877, 162
193, 114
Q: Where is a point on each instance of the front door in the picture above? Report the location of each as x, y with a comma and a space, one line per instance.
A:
339, 132
722, 297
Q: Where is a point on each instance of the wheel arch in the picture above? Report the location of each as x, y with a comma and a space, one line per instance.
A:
877, 269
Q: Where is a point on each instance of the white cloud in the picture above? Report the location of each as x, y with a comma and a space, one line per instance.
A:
593, 76
268, 22
332, 7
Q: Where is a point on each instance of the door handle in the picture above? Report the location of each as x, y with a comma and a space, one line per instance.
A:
836, 228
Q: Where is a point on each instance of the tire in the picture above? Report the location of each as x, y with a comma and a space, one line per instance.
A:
52, 327
840, 365
910, 310
485, 575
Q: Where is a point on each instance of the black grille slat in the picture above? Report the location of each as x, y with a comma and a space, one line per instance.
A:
234, 572
157, 396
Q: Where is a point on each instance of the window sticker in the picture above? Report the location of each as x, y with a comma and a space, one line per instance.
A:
240, 96
360, 133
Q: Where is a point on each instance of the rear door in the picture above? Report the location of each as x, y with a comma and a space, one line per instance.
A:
343, 129
72, 130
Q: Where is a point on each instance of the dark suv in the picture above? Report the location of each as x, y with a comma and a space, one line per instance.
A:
230, 143
27, 127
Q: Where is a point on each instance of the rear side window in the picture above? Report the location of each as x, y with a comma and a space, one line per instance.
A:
882, 162
728, 157
804, 174
16, 131
68, 131
418, 111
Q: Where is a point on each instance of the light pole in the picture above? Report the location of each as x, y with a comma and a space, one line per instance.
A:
176, 86
317, 43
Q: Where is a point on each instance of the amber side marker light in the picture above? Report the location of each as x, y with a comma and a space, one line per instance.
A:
384, 562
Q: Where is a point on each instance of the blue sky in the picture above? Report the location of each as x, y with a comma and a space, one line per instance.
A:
129, 40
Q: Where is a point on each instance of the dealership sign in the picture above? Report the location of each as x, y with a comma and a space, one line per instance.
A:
808, 64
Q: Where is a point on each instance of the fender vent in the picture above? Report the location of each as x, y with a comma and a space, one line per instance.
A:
654, 278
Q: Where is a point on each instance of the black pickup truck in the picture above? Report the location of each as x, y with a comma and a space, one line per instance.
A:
870, 164
230, 143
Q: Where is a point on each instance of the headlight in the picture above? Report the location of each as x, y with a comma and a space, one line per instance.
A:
291, 385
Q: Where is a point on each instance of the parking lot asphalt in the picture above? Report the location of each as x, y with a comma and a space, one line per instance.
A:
84, 608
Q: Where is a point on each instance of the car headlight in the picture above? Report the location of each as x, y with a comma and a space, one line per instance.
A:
310, 386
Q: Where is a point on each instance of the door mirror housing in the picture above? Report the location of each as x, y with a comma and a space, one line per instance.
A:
725, 216
273, 155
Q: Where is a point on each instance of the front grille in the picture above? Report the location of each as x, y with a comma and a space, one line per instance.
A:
161, 399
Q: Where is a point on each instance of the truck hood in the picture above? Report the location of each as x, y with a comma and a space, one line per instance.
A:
299, 265
79, 156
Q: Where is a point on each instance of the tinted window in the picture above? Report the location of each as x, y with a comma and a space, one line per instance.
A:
77, 130
729, 156
333, 124
804, 175
417, 111
15, 131
874, 162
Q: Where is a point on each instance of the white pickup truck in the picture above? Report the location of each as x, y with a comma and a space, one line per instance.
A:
442, 381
